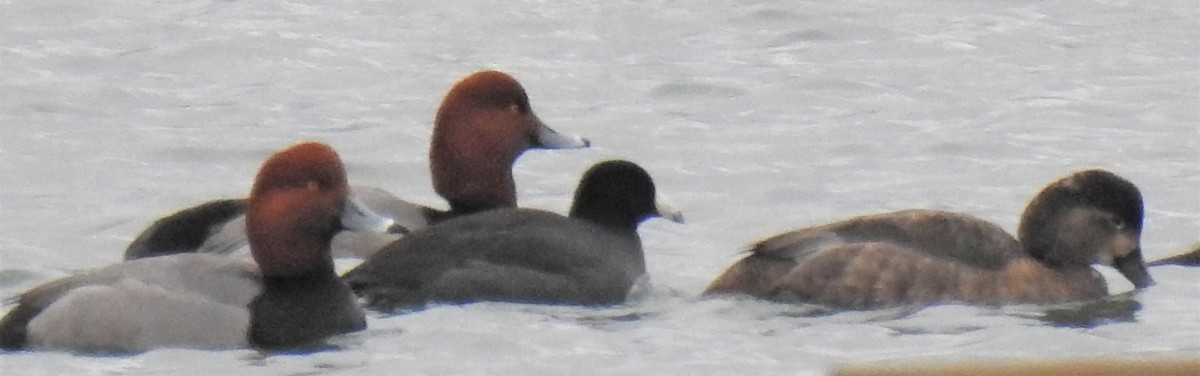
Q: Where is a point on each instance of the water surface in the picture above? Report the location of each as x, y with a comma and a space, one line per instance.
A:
754, 117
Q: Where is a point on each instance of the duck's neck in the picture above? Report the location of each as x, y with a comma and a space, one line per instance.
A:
1062, 237
470, 205
281, 254
472, 174
614, 220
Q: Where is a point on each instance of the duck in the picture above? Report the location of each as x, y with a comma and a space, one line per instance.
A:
921, 257
1184, 259
288, 297
591, 257
484, 123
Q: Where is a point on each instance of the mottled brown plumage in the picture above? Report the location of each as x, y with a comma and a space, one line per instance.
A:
921, 257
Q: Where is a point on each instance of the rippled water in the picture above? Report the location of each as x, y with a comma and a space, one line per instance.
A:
753, 116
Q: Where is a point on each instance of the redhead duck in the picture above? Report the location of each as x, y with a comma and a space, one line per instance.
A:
922, 257
484, 123
1187, 259
591, 257
290, 297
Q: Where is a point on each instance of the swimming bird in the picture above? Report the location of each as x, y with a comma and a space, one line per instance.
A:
288, 298
924, 257
483, 124
593, 256
1186, 259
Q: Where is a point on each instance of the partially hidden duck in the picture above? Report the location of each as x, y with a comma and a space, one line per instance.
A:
483, 125
288, 298
591, 257
924, 257
1185, 259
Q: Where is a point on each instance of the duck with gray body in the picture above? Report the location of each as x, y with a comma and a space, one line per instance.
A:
288, 298
482, 126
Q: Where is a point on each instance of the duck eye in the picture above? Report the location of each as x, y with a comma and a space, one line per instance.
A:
1117, 223
312, 185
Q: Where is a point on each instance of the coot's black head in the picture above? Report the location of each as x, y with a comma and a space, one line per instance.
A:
618, 193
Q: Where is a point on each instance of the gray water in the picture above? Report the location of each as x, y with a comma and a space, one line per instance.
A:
754, 117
